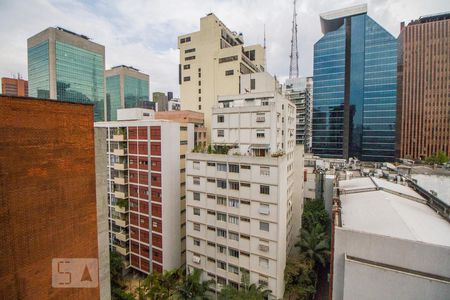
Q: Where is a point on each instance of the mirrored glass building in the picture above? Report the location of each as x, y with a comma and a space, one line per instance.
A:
67, 66
355, 82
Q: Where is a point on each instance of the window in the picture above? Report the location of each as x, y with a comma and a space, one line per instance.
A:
234, 185
196, 226
221, 280
199, 107
260, 134
221, 265
211, 212
211, 180
263, 262
209, 196
264, 189
196, 211
233, 203
221, 249
245, 167
221, 217
220, 133
245, 237
245, 219
221, 200
196, 180
233, 220
199, 91
211, 244
199, 82
221, 184
228, 59
264, 209
186, 67
229, 72
264, 226
199, 99
233, 252
221, 233
185, 40
190, 57
264, 171
197, 196
211, 164
187, 78
220, 118
210, 228
189, 50
263, 280
234, 236
260, 117
196, 242
222, 167
233, 269
245, 184
196, 165
252, 84
233, 168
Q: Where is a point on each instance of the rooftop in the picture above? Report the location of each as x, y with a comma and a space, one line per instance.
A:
332, 20
381, 207
73, 33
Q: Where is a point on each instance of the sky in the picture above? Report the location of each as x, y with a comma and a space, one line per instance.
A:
143, 33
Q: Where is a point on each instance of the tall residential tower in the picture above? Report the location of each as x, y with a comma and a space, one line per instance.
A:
355, 82
67, 66
212, 61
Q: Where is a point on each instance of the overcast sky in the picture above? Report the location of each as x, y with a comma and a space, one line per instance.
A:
143, 33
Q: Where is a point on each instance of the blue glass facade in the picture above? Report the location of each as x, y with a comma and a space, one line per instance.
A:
136, 91
38, 73
80, 77
112, 97
355, 77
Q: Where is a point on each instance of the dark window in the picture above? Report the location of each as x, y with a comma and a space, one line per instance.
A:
187, 78
264, 189
220, 118
229, 72
190, 57
252, 84
186, 67
189, 50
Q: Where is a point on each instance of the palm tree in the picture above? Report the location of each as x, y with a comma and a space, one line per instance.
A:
159, 286
193, 288
249, 291
314, 244
300, 278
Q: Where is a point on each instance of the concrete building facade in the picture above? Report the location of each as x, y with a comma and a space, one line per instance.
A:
388, 243
211, 63
126, 87
244, 207
300, 91
161, 101
423, 93
355, 86
146, 197
14, 87
67, 66
49, 203
187, 116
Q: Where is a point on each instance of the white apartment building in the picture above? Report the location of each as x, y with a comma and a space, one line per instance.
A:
243, 208
211, 63
146, 188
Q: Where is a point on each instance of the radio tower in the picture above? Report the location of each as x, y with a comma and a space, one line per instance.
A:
293, 67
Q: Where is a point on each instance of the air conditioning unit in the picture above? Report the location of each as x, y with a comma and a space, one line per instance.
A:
264, 248
196, 259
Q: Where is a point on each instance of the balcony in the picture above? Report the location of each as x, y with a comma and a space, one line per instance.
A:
118, 137
121, 223
120, 195
122, 236
120, 166
120, 152
121, 250
120, 209
121, 180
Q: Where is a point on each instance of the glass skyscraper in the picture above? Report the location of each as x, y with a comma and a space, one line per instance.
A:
126, 87
355, 82
67, 66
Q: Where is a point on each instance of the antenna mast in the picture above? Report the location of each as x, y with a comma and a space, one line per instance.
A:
293, 67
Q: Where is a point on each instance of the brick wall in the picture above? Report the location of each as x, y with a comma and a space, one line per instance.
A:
47, 193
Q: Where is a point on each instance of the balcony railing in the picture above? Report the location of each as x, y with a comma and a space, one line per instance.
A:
118, 137
120, 152
121, 250
121, 180
120, 166
122, 236
120, 195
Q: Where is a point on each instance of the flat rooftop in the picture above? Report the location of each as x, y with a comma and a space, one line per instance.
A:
380, 207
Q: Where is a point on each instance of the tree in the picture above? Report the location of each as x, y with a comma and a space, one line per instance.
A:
314, 244
314, 212
160, 286
116, 268
438, 158
248, 291
193, 288
300, 278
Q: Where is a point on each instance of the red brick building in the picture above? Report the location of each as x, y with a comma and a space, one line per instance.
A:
47, 195
423, 105
14, 87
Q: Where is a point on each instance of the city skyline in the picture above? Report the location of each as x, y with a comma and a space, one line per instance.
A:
128, 38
